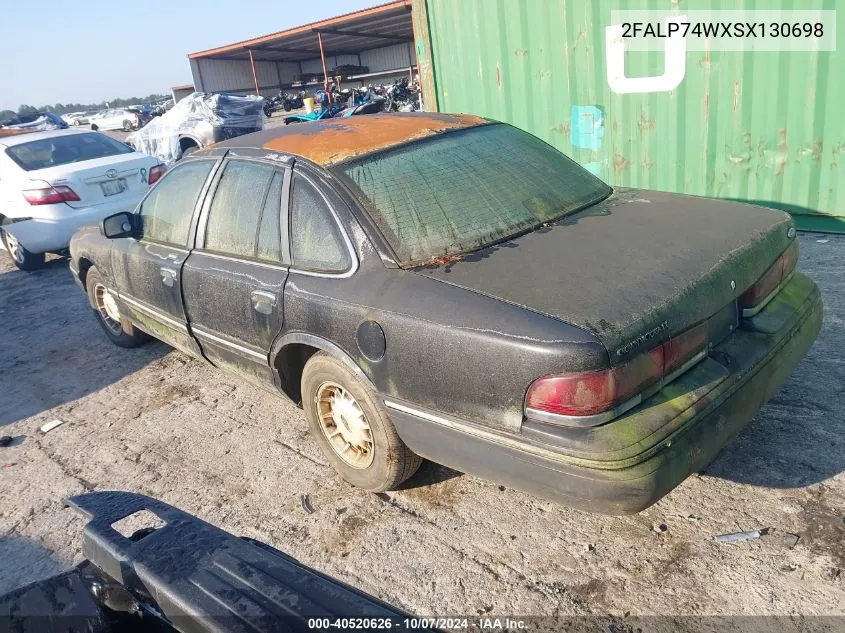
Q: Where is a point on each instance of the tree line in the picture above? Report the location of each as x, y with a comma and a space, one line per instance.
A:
64, 108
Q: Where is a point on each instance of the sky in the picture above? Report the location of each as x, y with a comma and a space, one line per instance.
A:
85, 51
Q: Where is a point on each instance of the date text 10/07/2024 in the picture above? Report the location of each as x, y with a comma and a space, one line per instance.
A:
413, 624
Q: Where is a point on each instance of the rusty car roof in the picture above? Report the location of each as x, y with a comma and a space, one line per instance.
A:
333, 141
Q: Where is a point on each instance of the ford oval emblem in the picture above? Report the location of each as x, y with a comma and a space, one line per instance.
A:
111, 173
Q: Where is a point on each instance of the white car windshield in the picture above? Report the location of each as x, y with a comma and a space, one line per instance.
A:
61, 150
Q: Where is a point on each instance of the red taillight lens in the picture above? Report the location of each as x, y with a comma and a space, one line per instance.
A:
598, 392
678, 350
50, 195
156, 172
755, 297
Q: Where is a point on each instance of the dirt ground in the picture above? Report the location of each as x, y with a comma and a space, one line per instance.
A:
153, 421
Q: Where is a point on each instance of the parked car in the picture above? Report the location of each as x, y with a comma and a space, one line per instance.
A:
116, 119
196, 121
449, 287
78, 118
51, 183
36, 122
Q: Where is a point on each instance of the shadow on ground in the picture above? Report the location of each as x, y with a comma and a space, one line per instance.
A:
23, 561
53, 351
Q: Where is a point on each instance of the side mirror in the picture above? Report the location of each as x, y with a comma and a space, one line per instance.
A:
121, 224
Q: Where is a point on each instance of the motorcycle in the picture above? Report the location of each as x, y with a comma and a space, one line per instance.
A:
344, 103
286, 101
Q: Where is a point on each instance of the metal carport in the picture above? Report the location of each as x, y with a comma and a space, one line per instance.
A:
380, 38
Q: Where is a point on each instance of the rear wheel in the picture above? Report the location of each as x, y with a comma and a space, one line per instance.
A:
351, 427
22, 258
118, 329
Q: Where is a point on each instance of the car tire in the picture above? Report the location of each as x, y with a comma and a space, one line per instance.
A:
119, 331
343, 412
189, 150
127, 125
75, 123
21, 257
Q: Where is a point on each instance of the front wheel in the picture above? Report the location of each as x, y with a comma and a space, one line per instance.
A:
22, 258
351, 427
127, 126
118, 329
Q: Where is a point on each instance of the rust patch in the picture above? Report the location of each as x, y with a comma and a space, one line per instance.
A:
736, 96
620, 163
563, 128
335, 140
520, 52
645, 124
12, 131
498, 76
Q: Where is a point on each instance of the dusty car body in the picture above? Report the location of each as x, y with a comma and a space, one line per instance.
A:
493, 307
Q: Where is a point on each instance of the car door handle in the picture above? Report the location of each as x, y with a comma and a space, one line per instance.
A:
168, 276
263, 302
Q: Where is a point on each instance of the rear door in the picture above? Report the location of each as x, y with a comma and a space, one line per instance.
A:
147, 270
233, 282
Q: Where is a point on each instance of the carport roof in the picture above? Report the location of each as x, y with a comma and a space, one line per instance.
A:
347, 34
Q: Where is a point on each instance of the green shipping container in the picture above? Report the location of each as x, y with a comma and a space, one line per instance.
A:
761, 127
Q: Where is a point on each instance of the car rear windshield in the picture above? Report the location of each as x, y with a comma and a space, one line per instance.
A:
61, 150
460, 191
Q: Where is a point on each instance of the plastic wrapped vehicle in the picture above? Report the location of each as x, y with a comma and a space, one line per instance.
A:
198, 120
37, 122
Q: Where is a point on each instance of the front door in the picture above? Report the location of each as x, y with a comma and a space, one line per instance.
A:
233, 281
147, 270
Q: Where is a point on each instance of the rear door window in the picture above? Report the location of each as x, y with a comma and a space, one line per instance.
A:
315, 239
269, 232
166, 212
235, 214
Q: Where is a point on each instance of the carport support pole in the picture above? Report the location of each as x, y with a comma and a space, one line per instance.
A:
325, 72
254, 76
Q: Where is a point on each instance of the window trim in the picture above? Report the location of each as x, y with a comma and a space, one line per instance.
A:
205, 212
198, 203
354, 262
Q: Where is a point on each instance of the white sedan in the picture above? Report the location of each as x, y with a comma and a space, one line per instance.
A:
116, 119
52, 183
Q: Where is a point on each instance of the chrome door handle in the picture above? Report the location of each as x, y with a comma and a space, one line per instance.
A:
263, 302
168, 276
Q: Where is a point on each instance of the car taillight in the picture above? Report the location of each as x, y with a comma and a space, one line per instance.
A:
156, 172
50, 195
593, 398
758, 296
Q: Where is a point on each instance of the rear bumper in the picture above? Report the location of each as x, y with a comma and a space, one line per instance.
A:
676, 432
53, 229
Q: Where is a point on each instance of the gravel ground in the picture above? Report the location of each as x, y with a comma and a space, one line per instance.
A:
152, 420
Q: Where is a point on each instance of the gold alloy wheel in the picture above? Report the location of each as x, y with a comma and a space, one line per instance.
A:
344, 424
107, 308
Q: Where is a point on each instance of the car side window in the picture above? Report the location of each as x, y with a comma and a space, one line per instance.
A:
269, 231
166, 212
315, 239
235, 213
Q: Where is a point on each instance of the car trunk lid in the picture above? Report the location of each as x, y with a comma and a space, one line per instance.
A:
635, 269
108, 179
